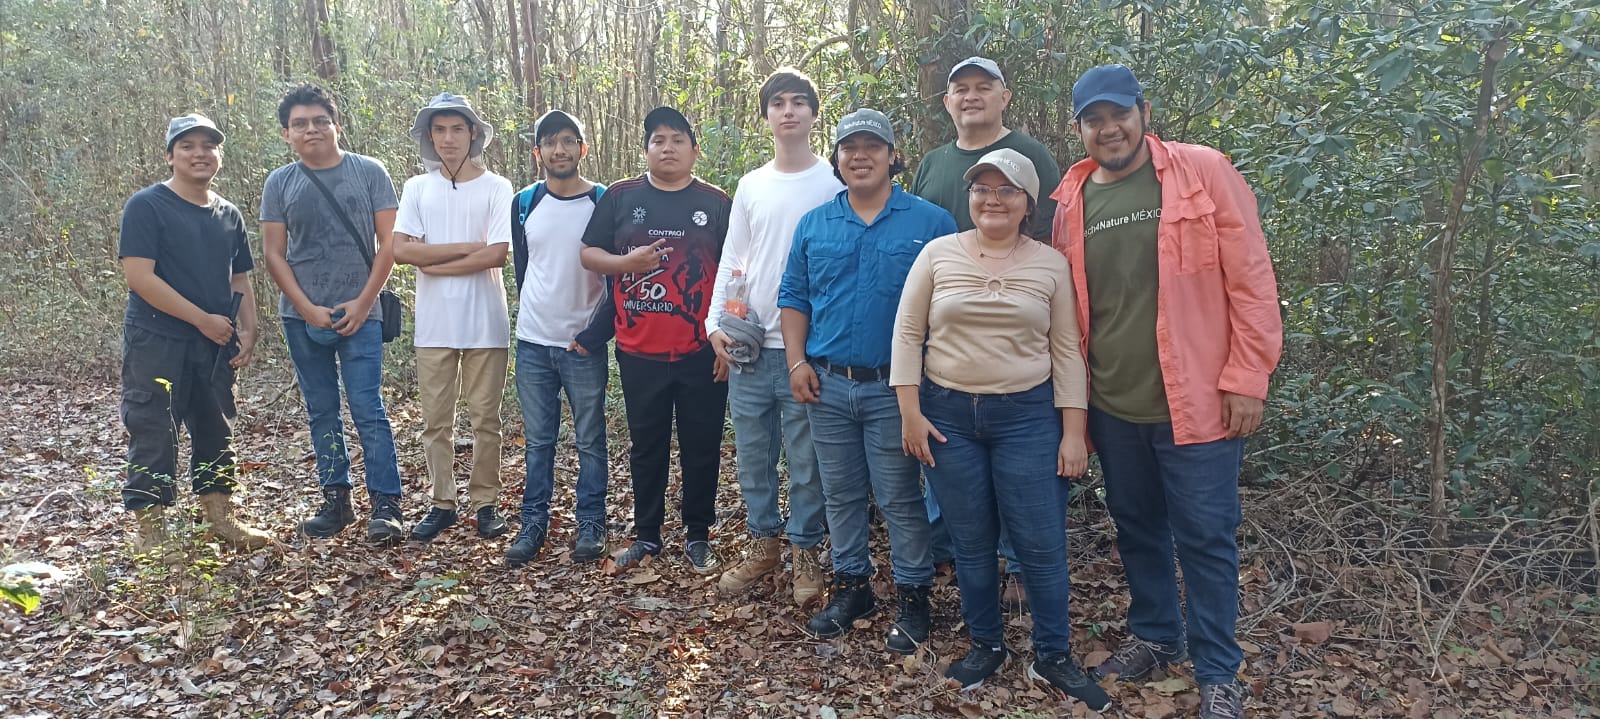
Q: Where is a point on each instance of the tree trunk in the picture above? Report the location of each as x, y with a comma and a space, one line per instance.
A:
1443, 317
324, 54
758, 39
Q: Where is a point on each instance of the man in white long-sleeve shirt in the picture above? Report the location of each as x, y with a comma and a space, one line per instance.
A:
769, 202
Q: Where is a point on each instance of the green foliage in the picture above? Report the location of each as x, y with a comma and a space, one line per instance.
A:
16, 584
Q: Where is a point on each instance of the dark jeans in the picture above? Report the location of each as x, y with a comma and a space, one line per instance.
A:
998, 465
167, 383
1165, 497
655, 391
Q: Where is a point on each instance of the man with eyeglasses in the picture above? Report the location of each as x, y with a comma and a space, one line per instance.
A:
313, 213
563, 322
976, 98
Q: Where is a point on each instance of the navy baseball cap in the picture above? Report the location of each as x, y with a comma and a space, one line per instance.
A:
1108, 83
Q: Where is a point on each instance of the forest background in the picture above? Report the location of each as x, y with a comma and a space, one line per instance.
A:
1428, 476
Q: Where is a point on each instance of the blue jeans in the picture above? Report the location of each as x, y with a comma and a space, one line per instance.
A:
998, 465
1165, 497
856, 429
542, 374
761, 405
358, 360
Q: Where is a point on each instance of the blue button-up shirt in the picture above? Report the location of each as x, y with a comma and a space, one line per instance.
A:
847, 275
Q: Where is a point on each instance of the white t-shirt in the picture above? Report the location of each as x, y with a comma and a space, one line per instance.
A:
559, 297
460, 311
766, 208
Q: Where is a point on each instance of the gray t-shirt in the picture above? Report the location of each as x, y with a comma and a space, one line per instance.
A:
326, 262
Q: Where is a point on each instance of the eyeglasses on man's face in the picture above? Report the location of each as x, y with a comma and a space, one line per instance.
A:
301, 124
565, 143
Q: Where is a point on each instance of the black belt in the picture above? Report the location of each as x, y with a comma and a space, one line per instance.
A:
857, 374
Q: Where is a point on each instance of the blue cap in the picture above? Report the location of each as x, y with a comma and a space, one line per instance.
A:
1107, 83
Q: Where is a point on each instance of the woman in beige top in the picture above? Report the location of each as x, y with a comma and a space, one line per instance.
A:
992, 393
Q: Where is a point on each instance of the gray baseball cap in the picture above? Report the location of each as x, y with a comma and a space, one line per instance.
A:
864, 120
180, 126
982, 63
1014, 165
454, 103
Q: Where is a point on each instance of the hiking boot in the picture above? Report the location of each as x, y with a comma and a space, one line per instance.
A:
635, 555
333, 517
1061, 672
526, 547
218, 510
1014, 598
911, 622
702, 558
852, 599
1223, 701
761, 556
490, 523
808, 581
981, 661
1137, 658
436, 521
591, 544
152, 538
384, 526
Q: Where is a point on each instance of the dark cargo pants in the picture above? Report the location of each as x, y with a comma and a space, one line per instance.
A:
168, 382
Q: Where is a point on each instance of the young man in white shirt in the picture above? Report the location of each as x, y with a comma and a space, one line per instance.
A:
563, 323
766, 207
454, 226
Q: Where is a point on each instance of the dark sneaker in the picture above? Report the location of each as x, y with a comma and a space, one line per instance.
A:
911, 621
490, 523
335, 514
852, 599
702, 558
635, 555
384, 526
981, 661
1222, 701
1063, 673
591, 544
1137, 658
431, 525
526, 547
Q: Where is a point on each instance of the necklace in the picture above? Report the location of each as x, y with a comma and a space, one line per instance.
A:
987, 256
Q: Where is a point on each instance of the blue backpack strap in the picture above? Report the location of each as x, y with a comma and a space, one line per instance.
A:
527, 200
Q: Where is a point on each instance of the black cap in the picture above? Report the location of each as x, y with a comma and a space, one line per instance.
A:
553, 122
671, 118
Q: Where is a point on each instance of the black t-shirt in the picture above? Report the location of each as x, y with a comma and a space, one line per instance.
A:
197, 251
662, 314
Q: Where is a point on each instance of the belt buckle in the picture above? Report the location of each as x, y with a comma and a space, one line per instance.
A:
849, 373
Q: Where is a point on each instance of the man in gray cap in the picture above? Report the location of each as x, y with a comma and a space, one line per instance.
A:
454, 226
976, 98
186, 258
840, 290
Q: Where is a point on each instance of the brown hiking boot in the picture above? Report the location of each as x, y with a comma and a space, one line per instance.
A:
808, 579
218, 510
153, 539
761, 556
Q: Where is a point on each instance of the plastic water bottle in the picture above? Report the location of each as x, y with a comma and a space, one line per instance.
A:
738, 303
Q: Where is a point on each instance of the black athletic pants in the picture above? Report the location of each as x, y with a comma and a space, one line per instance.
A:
655, 391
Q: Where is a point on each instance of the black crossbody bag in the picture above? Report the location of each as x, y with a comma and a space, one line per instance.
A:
388, 302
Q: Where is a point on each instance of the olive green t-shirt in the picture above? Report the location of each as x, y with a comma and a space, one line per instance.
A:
939, 179
1120, 220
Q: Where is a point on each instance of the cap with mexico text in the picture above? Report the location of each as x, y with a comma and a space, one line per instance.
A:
1014, 165
864, 120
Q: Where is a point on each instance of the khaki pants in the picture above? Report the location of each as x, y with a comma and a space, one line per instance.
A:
477, 376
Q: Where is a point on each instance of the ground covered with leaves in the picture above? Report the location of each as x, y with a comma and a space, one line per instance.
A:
1338, 616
